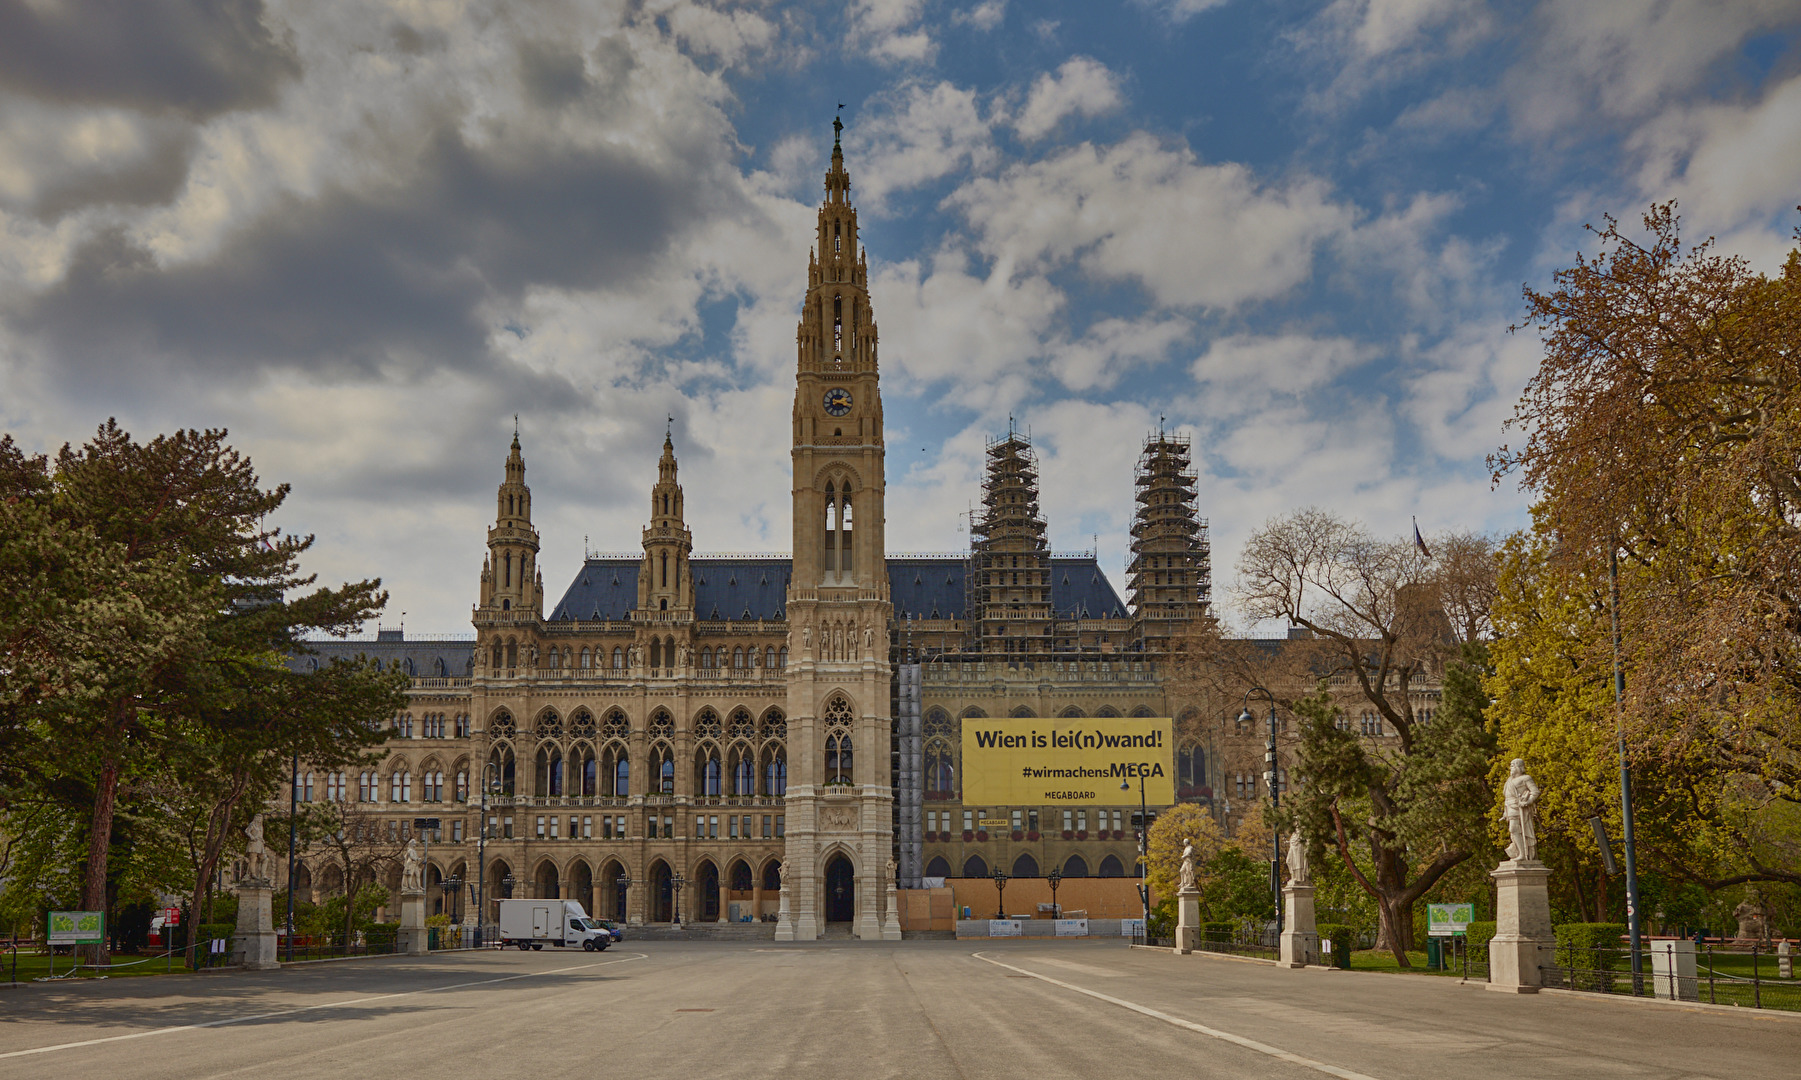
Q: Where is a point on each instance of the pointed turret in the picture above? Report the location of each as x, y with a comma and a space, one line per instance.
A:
510, 578
1012, 609
1171, 572
664, 584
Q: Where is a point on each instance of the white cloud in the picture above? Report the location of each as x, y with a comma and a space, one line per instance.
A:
890, 30
984, 16
914, 135
1191, 234
1180, 10
1729, 165
1112, 347
1081, 87
1627, 58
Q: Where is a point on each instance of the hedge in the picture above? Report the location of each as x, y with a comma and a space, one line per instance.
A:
1343, 939
1476, 938
1592, 952
1218, 931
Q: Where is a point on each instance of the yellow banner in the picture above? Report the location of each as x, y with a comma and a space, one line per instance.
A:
1033, 762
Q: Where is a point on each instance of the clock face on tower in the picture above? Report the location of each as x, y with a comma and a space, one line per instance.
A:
837, 401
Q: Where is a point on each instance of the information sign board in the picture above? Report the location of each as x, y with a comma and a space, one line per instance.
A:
1449, 920
1072, 927
77, 927
1005, 928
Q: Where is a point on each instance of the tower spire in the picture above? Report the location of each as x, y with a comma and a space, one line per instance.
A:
509, 578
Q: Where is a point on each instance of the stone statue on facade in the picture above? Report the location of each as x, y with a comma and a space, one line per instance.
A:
683, 647
1519, 802
256, 853
869, 640
412, 868
806, 636
1187, 884
1297, 859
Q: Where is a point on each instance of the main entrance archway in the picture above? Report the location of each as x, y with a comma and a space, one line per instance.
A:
662, 893
707, 881
840, 890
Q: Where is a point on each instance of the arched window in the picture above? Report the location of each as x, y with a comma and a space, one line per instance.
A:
838, 759
744, 772
1025, 866
556, 660
656, 652
708, 771
775, 772
400, 787
512, 653
781, 657
618, 658
590, 774
769, 657
941, 773
737, 658
550, 770
462, 788
938, 867
1111, 867
772, 876
587, 657
740, 877
975, 867
622, 775
1075, 867
499, 655
665, 770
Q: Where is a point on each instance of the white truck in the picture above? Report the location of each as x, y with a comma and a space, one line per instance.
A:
533, 924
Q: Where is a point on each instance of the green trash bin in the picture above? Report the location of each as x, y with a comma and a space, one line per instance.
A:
1435, 954
1341, 958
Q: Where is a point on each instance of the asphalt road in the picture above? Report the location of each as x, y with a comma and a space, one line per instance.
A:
848, 1010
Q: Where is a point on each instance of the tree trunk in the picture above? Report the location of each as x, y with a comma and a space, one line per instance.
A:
100, 839
1396, 927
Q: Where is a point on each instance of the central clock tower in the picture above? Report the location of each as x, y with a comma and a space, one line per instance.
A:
840, 798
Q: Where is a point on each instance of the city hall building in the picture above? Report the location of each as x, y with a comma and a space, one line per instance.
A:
682, 735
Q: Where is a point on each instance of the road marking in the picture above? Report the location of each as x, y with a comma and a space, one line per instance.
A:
1215, 1033
1085, 969
310, 1008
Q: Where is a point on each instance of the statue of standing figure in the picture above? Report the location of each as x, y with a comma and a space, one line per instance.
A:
256, 853
1187, 884
1297, 859
412, 868
1519, 802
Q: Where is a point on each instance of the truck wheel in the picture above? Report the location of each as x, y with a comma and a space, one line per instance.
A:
537, 946
588, 945
523, 945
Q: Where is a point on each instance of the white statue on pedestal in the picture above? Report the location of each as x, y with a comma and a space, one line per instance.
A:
255, 852
1519, 802
412, 868
1297, 859
1187, 884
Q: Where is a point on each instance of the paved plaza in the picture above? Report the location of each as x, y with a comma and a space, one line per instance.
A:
915, 1009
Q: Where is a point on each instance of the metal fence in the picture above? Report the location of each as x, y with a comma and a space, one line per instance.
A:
1750, 976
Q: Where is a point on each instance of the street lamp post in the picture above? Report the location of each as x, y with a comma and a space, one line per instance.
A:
452, 886
1144, 847
1056, 879
481, 849
624, 884
675, 885
1272, 776
1000, 892
1619, 696
293, 838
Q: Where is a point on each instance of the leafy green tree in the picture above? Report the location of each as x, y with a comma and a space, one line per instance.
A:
144, 606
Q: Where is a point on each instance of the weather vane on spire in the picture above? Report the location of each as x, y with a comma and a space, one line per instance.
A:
515, 425
838, 125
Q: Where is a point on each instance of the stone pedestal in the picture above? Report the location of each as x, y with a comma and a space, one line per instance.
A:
891, 923
412, 939
784, 919
1300, 934
1673, 970
1188, 920
1523, 938
255, 944
1785, 960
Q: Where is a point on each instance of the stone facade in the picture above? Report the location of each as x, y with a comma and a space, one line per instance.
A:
685, 734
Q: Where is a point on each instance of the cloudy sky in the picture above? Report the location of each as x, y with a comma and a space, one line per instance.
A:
363, 236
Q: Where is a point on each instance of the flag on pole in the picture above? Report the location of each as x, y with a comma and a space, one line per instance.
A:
1420, 541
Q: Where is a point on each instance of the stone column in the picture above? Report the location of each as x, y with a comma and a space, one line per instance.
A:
412, 938
1523, 937
1188, 920
1785, 960
256, 943
1300, 936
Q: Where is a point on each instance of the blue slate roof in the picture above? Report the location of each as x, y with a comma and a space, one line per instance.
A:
754, 588
423, 657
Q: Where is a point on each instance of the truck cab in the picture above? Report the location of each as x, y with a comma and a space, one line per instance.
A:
533, 924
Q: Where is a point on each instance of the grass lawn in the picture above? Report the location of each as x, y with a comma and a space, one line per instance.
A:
33, 965
1384, 960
